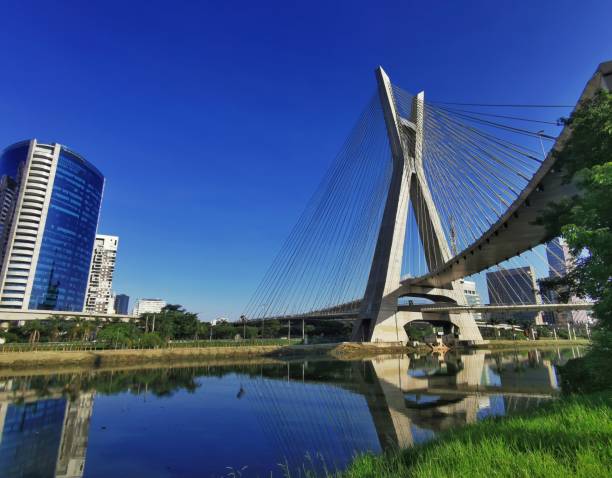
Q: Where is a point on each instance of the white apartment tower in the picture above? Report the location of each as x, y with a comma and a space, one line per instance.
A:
151, 306
99, 290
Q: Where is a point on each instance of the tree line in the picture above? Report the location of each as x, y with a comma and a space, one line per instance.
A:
173, 323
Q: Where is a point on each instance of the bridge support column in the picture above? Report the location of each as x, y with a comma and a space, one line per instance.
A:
378, 317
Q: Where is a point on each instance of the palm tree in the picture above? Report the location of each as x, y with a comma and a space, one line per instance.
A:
87, 329
33, 328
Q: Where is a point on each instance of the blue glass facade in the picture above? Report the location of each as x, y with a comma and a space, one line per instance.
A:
31, 438
13, 159
12, 163
62, 271
122, 303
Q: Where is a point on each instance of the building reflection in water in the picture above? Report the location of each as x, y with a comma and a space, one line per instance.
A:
320, 411
43, 437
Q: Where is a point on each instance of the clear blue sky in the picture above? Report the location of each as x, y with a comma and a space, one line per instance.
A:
213, 122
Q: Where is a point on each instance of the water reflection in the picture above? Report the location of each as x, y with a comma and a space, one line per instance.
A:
256, 419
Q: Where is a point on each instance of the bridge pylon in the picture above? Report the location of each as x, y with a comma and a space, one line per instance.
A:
379, 317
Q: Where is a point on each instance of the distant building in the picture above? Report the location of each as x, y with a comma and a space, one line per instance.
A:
99, 291
8, 199
559, 258
559, 263
514, 287
122, 304
50, 201
151, 306
471, 296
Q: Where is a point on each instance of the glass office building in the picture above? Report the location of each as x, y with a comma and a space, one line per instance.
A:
50, 199
122, 304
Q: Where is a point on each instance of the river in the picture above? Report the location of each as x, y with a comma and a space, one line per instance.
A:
258, 418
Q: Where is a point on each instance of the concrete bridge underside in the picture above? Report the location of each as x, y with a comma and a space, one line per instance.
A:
516, 231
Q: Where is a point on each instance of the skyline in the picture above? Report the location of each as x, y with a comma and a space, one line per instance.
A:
125, 120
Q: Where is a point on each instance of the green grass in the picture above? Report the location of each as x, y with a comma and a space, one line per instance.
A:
569, 437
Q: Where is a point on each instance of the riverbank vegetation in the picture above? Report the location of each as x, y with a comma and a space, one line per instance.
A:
585, 221
569, 437
154, 330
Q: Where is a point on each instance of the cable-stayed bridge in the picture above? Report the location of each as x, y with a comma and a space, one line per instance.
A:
421, 196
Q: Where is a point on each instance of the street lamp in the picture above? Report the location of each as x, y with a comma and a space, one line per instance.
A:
244, 321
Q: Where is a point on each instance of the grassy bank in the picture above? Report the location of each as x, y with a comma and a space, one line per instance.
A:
569, 437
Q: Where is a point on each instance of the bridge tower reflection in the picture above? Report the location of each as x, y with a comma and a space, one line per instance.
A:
412, 398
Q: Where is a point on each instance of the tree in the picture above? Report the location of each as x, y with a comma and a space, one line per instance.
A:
9, 337
151, 340
173, 322
225, 330
250, 332
34, 329
173, 308
202, 330
75, 328
585, 221
272, 328
117, 334
164, 326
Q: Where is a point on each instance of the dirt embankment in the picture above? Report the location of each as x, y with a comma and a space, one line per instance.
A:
165, 356
100, 358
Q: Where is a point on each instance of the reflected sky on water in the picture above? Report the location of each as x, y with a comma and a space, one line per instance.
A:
256, 419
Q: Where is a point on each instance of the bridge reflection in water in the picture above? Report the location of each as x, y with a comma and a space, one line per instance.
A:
258, 415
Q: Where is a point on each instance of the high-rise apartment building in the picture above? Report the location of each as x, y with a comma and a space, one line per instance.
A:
144, 306
512, 287
122, 304
100, 289
50, 201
